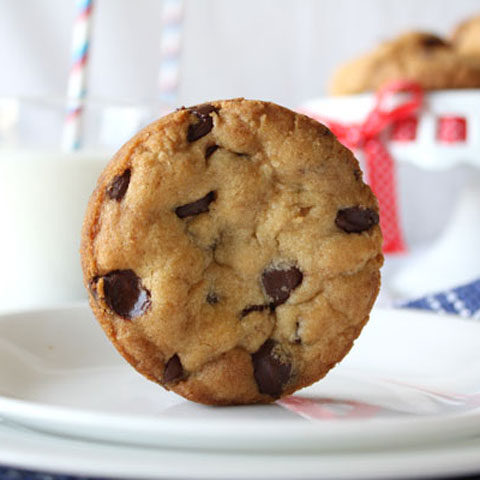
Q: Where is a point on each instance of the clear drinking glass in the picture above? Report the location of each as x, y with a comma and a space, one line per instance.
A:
44, 190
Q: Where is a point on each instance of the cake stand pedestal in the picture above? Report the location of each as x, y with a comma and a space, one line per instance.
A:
451, 260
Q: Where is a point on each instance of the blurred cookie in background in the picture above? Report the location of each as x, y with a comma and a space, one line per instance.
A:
419, 56
466, 37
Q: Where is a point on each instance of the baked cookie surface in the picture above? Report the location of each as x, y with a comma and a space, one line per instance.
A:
466, 37
232, 251
421, 57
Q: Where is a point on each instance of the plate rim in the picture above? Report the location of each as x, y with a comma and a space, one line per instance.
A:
208, 433
36, 451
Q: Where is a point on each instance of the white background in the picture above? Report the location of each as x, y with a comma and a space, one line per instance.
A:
280, 50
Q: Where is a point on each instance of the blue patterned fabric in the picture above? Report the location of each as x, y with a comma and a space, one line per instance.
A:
463, 301
15, 474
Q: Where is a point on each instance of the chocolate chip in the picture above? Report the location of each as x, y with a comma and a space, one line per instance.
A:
357, 173
271, 372
125, 294
432, 41
173, 370
212, 298
92, 286
252, 308
279, 282
118, 186
210, 150
204, 124
356, 219
203, 110
196, 207
199, 129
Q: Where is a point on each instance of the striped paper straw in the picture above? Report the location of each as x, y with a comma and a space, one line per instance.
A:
170, 50
77, 81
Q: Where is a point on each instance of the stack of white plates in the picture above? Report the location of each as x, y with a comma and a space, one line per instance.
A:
405, 403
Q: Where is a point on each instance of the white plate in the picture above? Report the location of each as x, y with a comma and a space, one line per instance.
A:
411, 378
37, 451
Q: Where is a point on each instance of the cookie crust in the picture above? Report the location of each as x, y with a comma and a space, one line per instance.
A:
417, 56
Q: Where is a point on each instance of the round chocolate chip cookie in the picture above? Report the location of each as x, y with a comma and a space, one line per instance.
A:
231, 251
421, 57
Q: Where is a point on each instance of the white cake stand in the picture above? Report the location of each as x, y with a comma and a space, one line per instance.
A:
454, 257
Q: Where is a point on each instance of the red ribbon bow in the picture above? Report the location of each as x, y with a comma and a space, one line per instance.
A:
380, 165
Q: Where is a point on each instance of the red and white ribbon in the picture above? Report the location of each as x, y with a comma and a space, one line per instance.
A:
380, 166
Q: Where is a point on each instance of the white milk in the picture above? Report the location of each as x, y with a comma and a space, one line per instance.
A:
43, 197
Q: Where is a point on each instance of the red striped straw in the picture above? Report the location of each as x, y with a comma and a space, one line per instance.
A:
170, 51
77, 80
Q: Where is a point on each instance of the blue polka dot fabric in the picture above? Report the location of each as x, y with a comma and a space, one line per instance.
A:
463, 301
16, 474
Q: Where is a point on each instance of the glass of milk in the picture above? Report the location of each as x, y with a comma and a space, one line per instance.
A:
44, 191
